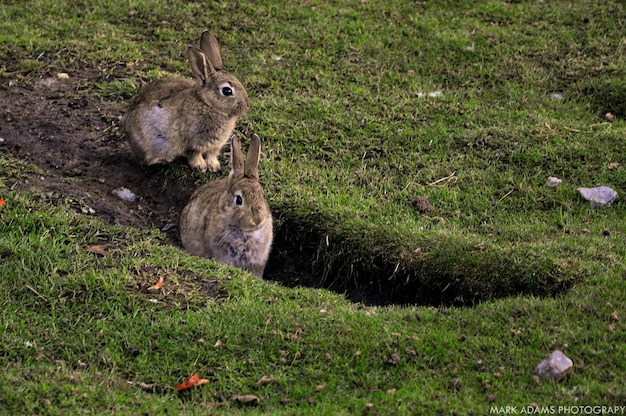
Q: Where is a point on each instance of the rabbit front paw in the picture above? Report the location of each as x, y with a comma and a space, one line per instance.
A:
212, 164
204, 162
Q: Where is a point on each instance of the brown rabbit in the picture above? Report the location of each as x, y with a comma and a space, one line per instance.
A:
173, 117
229, 219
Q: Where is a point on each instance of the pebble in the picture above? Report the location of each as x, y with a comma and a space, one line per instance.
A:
124, 194
599, 197
551, 182
555, 367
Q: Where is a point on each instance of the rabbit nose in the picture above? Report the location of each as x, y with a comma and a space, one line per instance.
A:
257, 218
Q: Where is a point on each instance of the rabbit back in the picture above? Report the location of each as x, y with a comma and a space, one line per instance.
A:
150, 121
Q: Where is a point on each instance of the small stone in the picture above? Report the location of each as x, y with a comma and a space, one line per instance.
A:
552, 182
555, 367
124, 194
599, 197
63, 75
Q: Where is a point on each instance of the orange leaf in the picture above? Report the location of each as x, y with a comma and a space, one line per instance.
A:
1, 202
97, 249
192, 381
158, 285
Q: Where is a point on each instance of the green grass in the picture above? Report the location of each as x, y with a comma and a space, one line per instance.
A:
349, 141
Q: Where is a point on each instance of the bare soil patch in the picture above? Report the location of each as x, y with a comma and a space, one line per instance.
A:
74, 136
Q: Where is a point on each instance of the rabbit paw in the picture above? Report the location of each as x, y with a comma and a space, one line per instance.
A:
200, 162
212, 164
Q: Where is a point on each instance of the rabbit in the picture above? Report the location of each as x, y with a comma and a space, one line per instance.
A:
173, 117
229, 219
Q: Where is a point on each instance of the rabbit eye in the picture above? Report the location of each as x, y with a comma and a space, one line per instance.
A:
238, 200
226, 90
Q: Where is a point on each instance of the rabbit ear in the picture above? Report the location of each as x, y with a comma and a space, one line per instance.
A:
208, 45
200, 66
236, 158
251, 169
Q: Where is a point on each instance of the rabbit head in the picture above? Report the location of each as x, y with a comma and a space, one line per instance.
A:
244, 202
220, 89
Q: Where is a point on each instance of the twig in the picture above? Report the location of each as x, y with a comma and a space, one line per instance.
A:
599, 124
446, 179
505, 195
36, 293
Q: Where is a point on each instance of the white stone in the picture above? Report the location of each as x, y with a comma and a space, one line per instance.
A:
551, 182
599, 197
555, 367
124, 194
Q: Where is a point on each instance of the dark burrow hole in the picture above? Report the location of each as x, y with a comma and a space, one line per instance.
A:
303, 256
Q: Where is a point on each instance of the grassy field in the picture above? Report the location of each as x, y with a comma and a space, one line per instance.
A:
363, 106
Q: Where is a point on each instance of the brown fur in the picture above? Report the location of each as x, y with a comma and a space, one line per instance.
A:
212, 225
174, 117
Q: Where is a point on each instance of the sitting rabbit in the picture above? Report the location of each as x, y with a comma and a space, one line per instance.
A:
229, 219
173, 117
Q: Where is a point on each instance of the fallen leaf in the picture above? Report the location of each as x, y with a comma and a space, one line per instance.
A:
265, 380
146, 386
245, 399
100, 249
192, 381
158, 285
